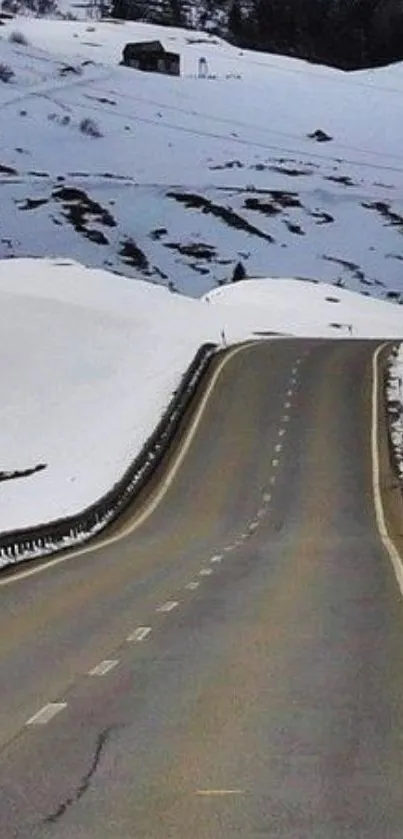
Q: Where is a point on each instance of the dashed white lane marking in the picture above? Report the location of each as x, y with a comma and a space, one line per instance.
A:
287, 404
273, 479
139, 634
192, 586
298, 361
46, 713
261, 512
286, 418
104, 667
219, 792
206, 572
267, 497
216, 558
289, 392
253, 525
281, 432
275, 462
168, 606
278, 447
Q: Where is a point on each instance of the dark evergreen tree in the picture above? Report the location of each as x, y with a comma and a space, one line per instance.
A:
239, 273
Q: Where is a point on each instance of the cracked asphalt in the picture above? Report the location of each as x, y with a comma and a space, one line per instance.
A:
233, 667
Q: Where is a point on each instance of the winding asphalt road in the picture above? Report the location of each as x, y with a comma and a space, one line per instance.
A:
234, 666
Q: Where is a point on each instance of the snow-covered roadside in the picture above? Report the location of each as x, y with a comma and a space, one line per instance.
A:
394, 395
88, 364
89, 361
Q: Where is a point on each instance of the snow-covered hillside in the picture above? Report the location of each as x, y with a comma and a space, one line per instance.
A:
294, 169
88, 362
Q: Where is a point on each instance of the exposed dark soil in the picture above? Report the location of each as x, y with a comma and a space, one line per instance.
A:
320, 136
294, 228
22, 473
32, 203
354, 269
197, 250
322, 217
279, 201
79, 209
292, 173
158, 233
393, 218
228, 216
341, 179
232, 164
7, 170
133, 255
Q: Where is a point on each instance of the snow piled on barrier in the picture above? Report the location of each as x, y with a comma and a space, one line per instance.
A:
394, 395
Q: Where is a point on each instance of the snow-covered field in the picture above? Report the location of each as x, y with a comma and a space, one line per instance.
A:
191, 175
293, 169
89, 360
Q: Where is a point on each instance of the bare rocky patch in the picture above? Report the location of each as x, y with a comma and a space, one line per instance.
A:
321, 217
133, 255
320, 136
345, 180
231, 164
197, 250
80, 210
22, 473
383, 208
351, 267
7, 170
197, 202
31, 203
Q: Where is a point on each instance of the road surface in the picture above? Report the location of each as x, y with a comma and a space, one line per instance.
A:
234, 667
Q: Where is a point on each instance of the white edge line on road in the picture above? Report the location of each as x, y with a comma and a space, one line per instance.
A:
379, 511
104, 667
154, 501
139, 634
46, 713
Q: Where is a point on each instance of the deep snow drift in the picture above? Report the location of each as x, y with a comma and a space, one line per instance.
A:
89, 360
189, 175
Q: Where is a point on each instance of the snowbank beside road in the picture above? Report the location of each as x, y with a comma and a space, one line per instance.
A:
394, 395
89, 361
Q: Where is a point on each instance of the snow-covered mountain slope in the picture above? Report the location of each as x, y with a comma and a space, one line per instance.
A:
88, 362
188, 175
